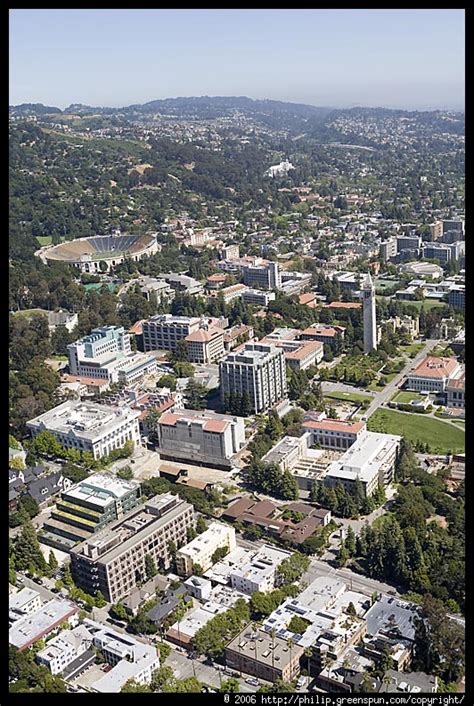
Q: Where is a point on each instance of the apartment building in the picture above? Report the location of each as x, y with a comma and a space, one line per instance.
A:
48, 618
229, 252
258, 371
334, 433
432, 374
260, 573
64, 648
257, 297
264, 276
87, 426
88, 507
263, 656
22, 603
128, 657
113, 560
205, 345
200, 436
201, 549
370, 460
388, 249
106, 354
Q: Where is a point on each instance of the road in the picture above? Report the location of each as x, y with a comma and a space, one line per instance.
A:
385, 394
355, 582
212, 675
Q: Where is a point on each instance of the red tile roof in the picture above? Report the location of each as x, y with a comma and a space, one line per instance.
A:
432, 367
343, 305
335, 425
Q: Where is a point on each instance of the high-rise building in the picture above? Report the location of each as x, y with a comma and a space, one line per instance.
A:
436, 230
370, 321
266, 276
258, 371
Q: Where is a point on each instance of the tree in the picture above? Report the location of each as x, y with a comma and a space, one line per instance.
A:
230, 686
150, 566
294, 567
219, 554
351, 610
27, 551
52, 561
343, 554
133, 687
125, 473
195, 395
119, 612
350, 541
167, 381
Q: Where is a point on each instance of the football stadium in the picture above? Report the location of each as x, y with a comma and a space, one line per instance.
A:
89, 254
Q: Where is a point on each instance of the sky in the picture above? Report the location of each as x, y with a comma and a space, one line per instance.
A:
412, 59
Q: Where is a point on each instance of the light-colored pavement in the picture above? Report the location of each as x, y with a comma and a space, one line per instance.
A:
328, 386
355, 582
387, 392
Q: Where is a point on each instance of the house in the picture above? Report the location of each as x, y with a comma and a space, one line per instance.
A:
47, 487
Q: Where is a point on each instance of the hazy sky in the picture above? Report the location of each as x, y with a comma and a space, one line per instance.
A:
341, 58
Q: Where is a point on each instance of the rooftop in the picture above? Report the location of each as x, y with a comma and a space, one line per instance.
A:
34, 626
102, 489
432, 367
263, 648
209, 421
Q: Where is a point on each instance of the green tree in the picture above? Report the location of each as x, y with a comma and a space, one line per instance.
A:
230, 686
150, 566
52, 561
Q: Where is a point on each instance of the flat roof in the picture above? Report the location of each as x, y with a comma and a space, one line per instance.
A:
101, 489
87, 420
389, 613
263, 648
34, 626
16, 601
364, 458
208, 420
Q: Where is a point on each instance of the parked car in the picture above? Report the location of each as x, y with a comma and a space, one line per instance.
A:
253, 681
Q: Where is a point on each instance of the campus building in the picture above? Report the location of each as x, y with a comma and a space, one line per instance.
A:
87, 426
200, 436
333, 433
205, 345
113, 560
264, 276
106, 354
432, 374
258, 371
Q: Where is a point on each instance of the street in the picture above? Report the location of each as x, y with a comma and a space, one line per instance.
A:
384, 395
355, 582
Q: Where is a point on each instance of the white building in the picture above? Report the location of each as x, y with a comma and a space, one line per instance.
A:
34, 626
200, 435
370, 460
62, 318
266, 276
87, 426
130, 658
63, 649
370, 321
258, 371
201, 549
432, 374
106, 354
261, 572
257, 297
198, 587
24, 602
279, 169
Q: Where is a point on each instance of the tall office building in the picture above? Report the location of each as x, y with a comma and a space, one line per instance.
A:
258, 371
370, 322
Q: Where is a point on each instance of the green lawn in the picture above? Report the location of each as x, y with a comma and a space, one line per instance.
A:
29, 312
461, 422
347, 396
405, 397
46, 239
63, 358
412, 348
440, 436
374, 387
427, 304
98, 285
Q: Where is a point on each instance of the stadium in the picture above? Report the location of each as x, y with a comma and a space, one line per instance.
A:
89, 253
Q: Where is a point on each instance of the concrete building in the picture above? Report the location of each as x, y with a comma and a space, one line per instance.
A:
422, 269
64, 648
258, 371
182, 283
234, 291
201, 549
156, 290
370, 320
34, 626
288, 451
436, 230
407, 242
334, 433
370, 460
266, 276
106, 354
388, 249
259, 654
299, 355
456, 224
163, 331
130, 658
432, 374
87, 426
438, 251
229, 252
405, 324
261, 572
200, 435
88, 507
205, 345
257, 297
396, 682
113, 560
